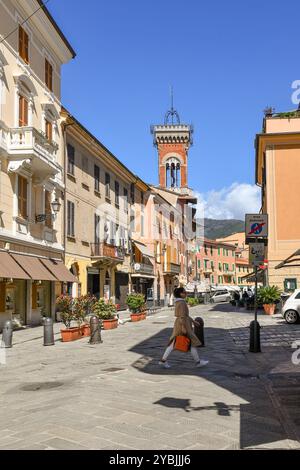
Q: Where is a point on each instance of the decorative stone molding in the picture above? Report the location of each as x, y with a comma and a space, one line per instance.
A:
14, 166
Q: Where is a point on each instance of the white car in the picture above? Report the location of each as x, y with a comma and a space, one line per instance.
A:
221, 296
291, 308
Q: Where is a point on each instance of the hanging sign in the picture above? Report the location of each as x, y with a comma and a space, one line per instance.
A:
256, 254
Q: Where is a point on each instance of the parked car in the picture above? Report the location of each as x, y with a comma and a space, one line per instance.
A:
221, 296
291, 308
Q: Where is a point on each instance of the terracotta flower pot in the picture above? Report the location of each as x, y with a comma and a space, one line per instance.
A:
86, 330
136, 316
70, 334
269, 309
110, 324
143, 315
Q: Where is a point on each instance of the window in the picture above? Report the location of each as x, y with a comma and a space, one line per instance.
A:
70, 219
132, 220
142, 202
199, 263
107, 185
205, 263
117, 193
71, 159
212, 264
142, 226
97, 229
48, 75
220, 266
212, 279
48, 210
219, 251
125, 199
97, 178
211, 250
23, 112
48, 128
22, 196
23, 44
132, 195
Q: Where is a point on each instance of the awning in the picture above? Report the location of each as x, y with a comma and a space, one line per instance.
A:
145, 276
143, 249
291, 261
251, 276
10, 269
59, 270
34, 268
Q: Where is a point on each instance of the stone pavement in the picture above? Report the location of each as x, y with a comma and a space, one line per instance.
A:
115, 396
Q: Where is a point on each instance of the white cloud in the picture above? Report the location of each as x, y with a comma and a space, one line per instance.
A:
232, 202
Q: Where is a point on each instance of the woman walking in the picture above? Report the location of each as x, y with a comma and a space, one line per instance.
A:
183, 327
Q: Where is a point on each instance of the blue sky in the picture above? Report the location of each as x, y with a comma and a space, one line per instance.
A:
227, 60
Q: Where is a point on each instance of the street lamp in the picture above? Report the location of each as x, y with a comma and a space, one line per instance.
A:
55, 205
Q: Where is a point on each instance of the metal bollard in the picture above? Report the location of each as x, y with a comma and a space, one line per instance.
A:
7, 334
199, 330
254, 337
95, 330
48, 332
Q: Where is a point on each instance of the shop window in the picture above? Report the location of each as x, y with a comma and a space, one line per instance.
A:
290, 284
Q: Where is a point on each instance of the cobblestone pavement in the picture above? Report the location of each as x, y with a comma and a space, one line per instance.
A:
115, 396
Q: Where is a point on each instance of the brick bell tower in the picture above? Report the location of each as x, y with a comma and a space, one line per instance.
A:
173, 140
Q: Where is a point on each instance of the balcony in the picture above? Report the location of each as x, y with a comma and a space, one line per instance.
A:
27, 143
143, 268
172, 268
104, 250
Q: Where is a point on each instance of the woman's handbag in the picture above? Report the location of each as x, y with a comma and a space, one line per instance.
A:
182, 343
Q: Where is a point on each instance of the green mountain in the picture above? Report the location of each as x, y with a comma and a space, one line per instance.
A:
220, 228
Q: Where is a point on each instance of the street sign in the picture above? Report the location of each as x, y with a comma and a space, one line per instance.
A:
256, 254
256, 226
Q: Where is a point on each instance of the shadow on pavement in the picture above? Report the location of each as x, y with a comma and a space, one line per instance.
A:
262, 417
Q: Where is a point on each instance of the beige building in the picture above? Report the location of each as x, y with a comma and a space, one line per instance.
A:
244, 271
104, 215
277, 173
31, 160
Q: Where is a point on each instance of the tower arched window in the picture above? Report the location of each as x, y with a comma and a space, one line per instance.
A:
173, 173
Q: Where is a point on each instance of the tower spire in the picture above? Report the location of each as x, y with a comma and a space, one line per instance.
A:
172, 114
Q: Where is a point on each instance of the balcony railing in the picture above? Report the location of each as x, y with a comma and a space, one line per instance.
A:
143, 268
30, 141
172, 268
105, 250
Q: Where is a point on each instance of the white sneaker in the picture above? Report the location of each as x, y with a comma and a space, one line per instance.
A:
165, 364
202, 363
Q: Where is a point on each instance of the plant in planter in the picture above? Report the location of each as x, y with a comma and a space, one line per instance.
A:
136, 305
106, 312
82, 309
268, 297
192, 301
65, 306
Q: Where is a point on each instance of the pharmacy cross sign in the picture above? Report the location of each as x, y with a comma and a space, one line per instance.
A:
256, 226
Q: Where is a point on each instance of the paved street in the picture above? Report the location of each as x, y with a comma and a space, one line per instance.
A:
115, 396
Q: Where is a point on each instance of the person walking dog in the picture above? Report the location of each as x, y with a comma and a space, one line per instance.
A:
183, 327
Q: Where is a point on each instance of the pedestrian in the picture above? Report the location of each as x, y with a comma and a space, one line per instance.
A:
183, 327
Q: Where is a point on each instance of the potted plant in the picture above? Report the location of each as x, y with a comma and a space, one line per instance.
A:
106, 312
65, 306
83, 309
268, 297
136, 305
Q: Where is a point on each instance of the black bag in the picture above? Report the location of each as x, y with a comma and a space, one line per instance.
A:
199, 330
